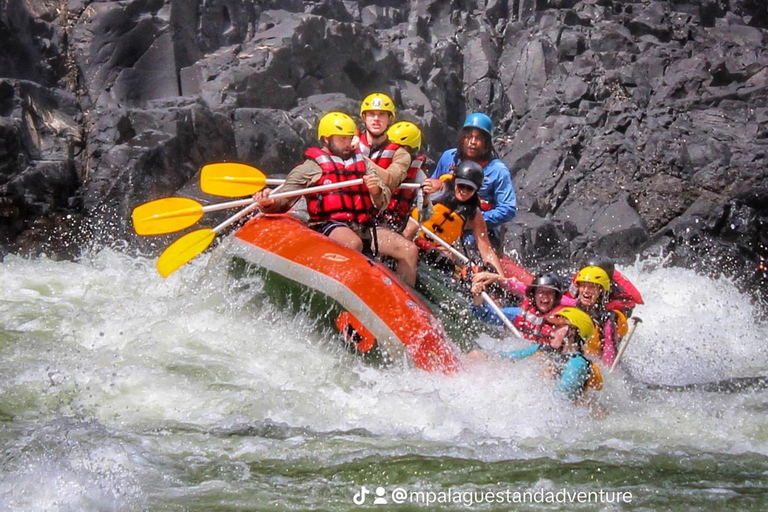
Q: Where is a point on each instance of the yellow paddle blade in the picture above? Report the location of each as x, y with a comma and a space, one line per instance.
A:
231, 179
166, 215
183, 250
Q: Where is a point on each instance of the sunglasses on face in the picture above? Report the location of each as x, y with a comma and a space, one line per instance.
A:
464, 188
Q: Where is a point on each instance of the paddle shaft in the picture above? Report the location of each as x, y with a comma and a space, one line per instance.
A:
441, 242
233, 179
487, 298
504, 318
402, 185
279, 195
625, 344
192, 244
236, 217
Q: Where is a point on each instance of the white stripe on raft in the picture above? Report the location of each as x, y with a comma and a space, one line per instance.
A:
332, 288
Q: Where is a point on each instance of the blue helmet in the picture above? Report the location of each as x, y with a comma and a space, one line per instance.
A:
480, 121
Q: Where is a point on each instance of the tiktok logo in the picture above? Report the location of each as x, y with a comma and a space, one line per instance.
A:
359, 497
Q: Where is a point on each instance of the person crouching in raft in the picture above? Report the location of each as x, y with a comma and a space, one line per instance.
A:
623, 297
456, 208
531, 318
570, 327
593, 287
395, 217
575, 373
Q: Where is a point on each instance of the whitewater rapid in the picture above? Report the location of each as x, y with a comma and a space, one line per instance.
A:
115, 383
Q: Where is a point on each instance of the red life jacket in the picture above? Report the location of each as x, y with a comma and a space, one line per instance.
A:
399, 208
350, 204
381, 156
624, 296
530, 322
362, 143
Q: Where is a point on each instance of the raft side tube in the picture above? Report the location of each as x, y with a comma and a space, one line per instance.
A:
401, 323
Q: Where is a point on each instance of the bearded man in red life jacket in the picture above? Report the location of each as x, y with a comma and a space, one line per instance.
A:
345, 215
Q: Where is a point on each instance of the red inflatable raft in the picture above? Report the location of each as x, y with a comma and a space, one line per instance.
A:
370, 306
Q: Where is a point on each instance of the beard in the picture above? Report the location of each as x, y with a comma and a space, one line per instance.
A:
344, 151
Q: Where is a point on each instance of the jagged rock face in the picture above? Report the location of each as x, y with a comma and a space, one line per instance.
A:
631, 127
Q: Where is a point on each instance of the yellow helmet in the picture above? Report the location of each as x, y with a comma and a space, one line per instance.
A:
594, 275
336, 123
405, 134
378, 101
579, 319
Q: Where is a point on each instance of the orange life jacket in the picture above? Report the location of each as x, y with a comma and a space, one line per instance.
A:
349, 204
450, 215
612, 323
595, 379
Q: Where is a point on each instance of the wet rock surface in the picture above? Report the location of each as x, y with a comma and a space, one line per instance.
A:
631, 127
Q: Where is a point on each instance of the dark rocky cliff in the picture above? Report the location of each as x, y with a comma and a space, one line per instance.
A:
631, 127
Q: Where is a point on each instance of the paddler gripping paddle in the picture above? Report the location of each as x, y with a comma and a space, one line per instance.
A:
172, 214
190, 245
237, 180
484, 295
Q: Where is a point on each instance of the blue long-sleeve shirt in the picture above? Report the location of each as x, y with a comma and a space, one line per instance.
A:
573, 380
485, 314
497, 188
521, 353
